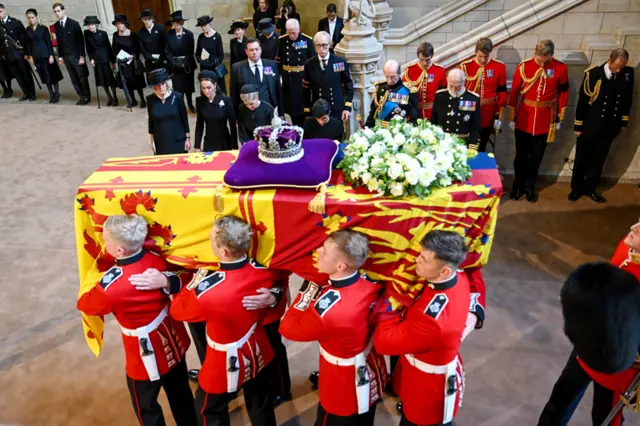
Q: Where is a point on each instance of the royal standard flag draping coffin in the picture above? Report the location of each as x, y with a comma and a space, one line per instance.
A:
181, 195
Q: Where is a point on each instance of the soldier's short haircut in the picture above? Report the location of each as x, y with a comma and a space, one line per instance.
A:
354, 245
484, 45
2, 6
234, 234
545, 48
447, 246
60, 5
322, 34
253, 40
128, 230
331, 8
619, 54
426, 49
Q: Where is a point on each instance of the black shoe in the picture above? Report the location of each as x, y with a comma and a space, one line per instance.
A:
80, 101
313, 378
279, 400
133, 103
597, 197
516, 194
24, 98
143, 104
532, 195
110, 101
32, 98
575, 195
399, 407
86, 101
192, 109
193, 374
56, 98
115, 102
7, 94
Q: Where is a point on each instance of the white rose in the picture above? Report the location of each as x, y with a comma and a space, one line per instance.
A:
376, 148
377, 162
366, 177
411, 177
412, 164
368, 133
427, 159
395, 171
402, 158
400, 139
384, 134
372, 185
396, 189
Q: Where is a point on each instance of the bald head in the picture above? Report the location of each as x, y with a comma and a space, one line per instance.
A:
455, 82
293, 29
392, 72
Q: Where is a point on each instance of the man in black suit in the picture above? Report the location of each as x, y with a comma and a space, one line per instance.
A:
71, 52
13, 37
263, 73
321, 126
332, 24
153, 41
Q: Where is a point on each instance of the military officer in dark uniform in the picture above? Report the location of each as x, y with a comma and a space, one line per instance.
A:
603, 108
14, 39
294, 50
393, 98
457, 110
327, 76
153, 42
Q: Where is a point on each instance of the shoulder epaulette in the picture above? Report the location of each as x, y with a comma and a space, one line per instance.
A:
307, 36
495, 60
466, 62
590, 68
376, 83
257, 264
473, 93
207, 283
412, 89
442, 90
283, 36
110, 276
558, 60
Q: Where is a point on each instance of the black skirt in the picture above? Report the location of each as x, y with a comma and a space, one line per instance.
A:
183, 80
104, 75
5, 72
133, 76
49, 73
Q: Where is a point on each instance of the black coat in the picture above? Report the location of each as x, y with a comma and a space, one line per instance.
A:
70, 39
168, 123
237, 50
132, 72
14, 31
270, 88
293, 53
217, 117
40, 49
333, 129
248, 120
180, 60
323, 25
153, 43
406, 105
269, 46
213, 45
333, 84
98, 47
459, 116
272, 9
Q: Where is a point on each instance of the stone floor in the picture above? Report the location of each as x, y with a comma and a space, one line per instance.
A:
49, 377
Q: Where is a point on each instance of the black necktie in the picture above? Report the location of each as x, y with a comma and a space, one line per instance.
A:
324, 64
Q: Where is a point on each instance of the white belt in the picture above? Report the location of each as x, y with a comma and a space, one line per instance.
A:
362, 379
146, 349
233, 367
450, 373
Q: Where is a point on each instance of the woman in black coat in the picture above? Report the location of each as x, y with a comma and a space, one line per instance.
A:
239, 43
40, 49
180, 59
168, 120
211, 41
130, 69
102, 58
215, 112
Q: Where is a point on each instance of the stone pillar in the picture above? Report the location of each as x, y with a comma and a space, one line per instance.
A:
381, 20
362, 51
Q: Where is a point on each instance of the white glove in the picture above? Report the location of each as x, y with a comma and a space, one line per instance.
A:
558, 125
512, 125
497, 125
472, 320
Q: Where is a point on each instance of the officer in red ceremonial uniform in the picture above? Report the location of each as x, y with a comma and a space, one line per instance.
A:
239, 350
427, 77
488, 78
576, 376
352, 374
154, 342
430, 374
542, 85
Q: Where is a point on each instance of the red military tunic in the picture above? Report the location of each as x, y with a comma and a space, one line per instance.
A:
232, 331
428, 340
138, 308
428, 83
337, 317
490, 83
544, 93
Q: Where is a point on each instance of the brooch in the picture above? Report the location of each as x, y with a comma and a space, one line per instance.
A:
221, 103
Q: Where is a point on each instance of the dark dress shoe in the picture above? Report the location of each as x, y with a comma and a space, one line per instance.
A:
143, 104
279, 400
399, 407
133, 103
80, 101
532, 195
24, 98
110, 102
313, 378
597, 197
86, 101
516, 194
115, 102
32, 98
575, 195
193, 374
8, 94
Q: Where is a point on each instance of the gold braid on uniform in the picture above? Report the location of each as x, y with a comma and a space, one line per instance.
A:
634, 400
593, 94
379, 102
477, 78
529, 82
416, 83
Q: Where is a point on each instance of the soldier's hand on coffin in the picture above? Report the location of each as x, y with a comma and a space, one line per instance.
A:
262, 300
578, 134
151, 279
512, 125
346, 115
472, 320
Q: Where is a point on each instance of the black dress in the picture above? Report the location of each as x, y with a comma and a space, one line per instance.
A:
213, 45
40, 48
333, 129
152, 43
248, 120
99, 50
168, 123
215, 116
180, 60
237, 50
133, 71
269, 46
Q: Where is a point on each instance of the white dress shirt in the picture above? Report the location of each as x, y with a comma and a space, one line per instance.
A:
607, 71
63, 21
332, 27
325, 59
258, 64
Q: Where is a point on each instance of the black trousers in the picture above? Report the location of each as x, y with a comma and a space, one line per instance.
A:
144, 397
79, 75
405, 422
484, 138
591, 152
21, 71
328, 419
199, 336
280, 378
213, 409
529, 154
568, 391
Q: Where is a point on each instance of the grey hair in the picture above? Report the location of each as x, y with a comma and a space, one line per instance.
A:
234, 234
457, 72
293, 22
129, 230
322, 34
545, 48
447, 246
619, 53
354, 244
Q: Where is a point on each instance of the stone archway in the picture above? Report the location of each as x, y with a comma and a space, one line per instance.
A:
106, 13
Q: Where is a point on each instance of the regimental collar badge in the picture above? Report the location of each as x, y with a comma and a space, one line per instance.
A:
466, 117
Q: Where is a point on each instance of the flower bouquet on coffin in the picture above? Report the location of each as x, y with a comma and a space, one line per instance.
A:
402, 160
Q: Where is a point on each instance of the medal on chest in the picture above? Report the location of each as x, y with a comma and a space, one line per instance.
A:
430, 78
338, 67
300, 45
489, 73
467, 105
550, 73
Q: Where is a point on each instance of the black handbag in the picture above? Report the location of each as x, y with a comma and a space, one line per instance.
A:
221, 71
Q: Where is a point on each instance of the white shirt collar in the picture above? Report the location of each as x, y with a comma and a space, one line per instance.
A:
325, 59
63, 21
607, 71
259, 63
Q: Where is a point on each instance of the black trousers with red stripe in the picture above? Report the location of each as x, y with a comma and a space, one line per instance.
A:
213, 409
280, 378
328, 419
144, 397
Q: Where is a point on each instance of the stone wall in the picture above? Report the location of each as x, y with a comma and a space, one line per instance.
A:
77, 9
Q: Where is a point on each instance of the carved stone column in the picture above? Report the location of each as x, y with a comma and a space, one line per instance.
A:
381, 20
362, 51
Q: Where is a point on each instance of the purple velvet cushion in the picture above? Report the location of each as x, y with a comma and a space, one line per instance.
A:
313, 169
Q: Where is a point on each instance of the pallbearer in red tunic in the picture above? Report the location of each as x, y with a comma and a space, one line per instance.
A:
488, 78
429, 377
541, 84
239, 352
154, 342
427, 77
352, 374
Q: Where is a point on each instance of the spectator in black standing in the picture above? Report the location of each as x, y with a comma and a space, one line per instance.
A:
332, 24
168, 120
180, 59
239, 43
71, 52
101, 58
129, 68
211, 42
321, 125
287, 11
263, 9
14, 37
252, 113
268, 38
40, 51
217, 114
153, 41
